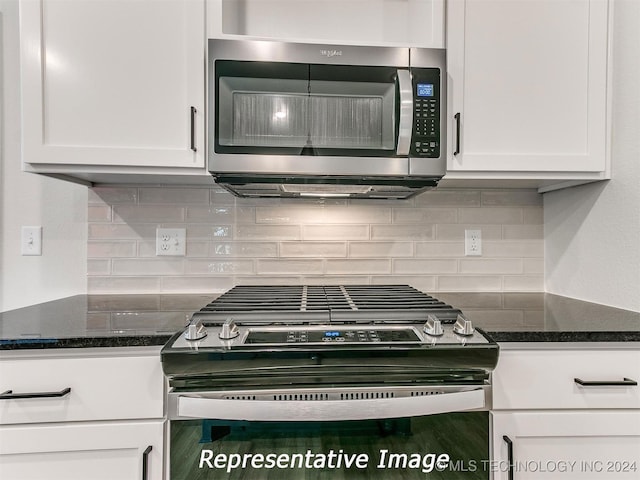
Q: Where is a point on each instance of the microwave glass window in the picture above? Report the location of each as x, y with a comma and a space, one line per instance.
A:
269, 120
292, 113
262, 112
346, 122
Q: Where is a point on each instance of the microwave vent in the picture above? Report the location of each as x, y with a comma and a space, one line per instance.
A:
301, 187
311, 189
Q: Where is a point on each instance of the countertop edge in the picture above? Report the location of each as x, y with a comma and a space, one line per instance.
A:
512, 337
84, 342
564, 337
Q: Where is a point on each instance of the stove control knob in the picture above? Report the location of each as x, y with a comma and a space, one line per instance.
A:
463, 326
433, 327
229, 330
195, 331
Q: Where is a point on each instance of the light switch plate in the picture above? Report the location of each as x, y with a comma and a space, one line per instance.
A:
171, 241
31, 241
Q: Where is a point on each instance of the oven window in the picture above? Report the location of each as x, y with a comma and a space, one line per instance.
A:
447, 446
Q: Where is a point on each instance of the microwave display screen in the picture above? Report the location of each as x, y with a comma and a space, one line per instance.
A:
425, 89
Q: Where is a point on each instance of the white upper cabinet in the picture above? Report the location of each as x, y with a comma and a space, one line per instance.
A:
112, 83
418, 23
528, 88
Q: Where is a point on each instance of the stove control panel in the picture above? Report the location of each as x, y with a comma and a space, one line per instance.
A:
432, 334
331, 336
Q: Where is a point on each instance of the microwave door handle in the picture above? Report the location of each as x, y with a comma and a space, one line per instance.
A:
406, 113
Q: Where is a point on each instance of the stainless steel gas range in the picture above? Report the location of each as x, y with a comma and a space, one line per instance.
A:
314, 365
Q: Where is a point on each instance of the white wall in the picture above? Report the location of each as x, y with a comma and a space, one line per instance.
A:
592, 232
28, 199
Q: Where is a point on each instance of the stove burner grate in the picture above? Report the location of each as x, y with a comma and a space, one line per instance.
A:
393, 303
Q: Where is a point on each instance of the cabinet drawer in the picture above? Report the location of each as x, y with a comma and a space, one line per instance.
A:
81, 451
101, 388
527, 379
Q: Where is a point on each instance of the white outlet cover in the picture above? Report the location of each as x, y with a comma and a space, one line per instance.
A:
171, 241
473, 243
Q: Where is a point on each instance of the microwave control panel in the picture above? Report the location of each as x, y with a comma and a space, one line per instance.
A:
425, 140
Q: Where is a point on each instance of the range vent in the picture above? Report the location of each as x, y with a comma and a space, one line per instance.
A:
240, 397
301, 397
423, 394
333, 395
366, 395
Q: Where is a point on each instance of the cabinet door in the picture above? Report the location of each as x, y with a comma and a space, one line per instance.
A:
566, 445
83, 451
528, 85
113, 83
419, 23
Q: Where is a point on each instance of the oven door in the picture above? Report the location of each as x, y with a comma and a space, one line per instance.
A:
438, 432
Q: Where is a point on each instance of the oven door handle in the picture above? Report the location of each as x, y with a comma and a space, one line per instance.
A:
328, 410
405, 126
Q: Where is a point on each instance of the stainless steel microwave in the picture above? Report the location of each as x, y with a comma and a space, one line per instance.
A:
290, 119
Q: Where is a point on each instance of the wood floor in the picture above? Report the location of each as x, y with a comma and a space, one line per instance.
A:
462, 436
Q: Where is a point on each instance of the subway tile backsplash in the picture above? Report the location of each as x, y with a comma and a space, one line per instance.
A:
234, 241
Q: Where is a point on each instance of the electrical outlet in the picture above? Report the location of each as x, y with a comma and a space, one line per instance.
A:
171, 241
31, 241
473, 242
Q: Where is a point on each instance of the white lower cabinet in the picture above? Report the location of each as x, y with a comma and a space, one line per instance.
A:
82, 414
566, 445
544, 379
82, 451
566, 413
94, 385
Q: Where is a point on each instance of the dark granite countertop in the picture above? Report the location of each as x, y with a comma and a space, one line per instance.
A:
98, 321
543, 317
150, 320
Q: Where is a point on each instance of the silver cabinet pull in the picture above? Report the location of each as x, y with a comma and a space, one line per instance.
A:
9, 395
